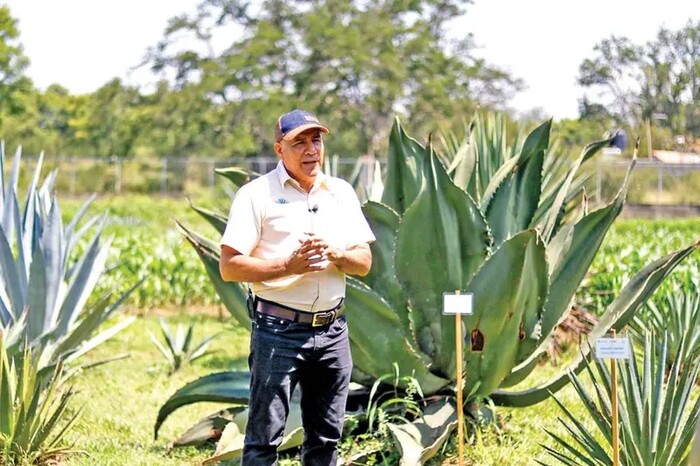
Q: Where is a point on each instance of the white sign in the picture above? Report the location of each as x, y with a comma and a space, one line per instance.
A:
612, 348
453, 303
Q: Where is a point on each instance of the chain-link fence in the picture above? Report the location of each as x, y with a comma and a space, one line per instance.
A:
651, 182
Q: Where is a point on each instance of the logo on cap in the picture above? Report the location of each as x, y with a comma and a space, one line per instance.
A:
291, 124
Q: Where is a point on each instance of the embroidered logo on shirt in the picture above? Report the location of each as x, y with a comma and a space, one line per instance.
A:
281, 200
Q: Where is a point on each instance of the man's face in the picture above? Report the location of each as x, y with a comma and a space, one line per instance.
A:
302, 156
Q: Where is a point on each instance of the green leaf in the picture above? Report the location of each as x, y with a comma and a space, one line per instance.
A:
442, 241
208, 429
616, 316
405, 162
384, 223
231, 387
231, 444
232, 294
572, 252
238, 176
215, 219
517, 187
420, 440
365, 310
493, 339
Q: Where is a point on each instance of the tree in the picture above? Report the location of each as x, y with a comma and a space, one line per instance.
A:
636, 82
355, 63
13, 82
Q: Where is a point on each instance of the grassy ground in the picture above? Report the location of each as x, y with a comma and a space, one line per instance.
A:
120, 402
121, 399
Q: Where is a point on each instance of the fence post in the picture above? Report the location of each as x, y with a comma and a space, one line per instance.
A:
660, 183
117, 175
164, 176
72, 176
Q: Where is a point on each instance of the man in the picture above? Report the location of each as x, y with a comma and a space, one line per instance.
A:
293, 234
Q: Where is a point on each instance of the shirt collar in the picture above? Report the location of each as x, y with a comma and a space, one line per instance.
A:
283, 177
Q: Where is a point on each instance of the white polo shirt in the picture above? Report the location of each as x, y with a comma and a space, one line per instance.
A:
272, 213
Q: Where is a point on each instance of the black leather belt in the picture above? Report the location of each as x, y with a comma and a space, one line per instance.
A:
315, 319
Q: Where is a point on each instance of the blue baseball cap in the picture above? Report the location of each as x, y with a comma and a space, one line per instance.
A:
291, 124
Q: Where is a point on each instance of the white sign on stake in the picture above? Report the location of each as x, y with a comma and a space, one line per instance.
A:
453, 303
612, 348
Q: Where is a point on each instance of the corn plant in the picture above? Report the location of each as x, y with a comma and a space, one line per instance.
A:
44, 287
33, 409
657, 415
497, 225
179, 349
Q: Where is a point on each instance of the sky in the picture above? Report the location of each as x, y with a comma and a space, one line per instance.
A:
82, 44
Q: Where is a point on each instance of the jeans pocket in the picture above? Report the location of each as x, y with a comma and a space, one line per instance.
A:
272, 323
341, 323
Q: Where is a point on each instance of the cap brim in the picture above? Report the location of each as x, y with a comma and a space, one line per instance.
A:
300, 129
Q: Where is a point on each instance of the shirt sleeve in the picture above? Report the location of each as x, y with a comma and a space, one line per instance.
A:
242, 231
359, 231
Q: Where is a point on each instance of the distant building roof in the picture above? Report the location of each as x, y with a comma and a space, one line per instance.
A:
667, 156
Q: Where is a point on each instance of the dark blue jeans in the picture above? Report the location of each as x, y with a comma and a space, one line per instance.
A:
284, 354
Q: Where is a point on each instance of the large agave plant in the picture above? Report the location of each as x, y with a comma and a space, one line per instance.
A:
44, 283
496, 222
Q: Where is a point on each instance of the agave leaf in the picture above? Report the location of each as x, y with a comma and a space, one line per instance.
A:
553, 210
382, 276
215, 219
494, 339
616, 316
100, 338
237, 176
367, 310
572, 253
516, 190
10, 275
201, 349
32, 190
420, 440
463, 167
231, 444
208, 429
6, 317
92, 320
167, 353
36, 299
11, 188
443, 222
231, 387
89, 270
405, 161
53, 241
232, 295
24, 248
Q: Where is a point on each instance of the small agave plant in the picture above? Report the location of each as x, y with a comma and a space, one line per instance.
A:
657, 412
179, 349
44, 283
32, 409
677, 313
509, 224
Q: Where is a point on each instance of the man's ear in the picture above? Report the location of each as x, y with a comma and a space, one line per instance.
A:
278, 149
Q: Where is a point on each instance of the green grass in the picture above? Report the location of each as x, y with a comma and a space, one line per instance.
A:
121, 399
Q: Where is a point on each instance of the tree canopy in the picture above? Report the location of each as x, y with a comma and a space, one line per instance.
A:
659, 80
